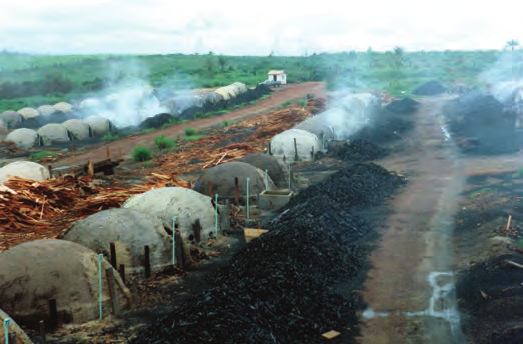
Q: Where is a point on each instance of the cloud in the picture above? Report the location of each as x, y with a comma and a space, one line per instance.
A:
237, 27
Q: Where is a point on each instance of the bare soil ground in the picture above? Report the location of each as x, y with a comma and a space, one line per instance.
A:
444, 223
417, 238
280, 95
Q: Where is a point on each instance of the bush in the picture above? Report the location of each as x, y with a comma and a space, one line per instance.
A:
285, 104
41, 156
225, 124
110, 137
161, 142
302, 103
141, 153
189, 131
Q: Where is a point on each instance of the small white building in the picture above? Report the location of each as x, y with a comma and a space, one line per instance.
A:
277, 75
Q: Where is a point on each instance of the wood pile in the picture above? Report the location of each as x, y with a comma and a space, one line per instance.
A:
9, 148
316, 105
31, 210
210, 151
42, 209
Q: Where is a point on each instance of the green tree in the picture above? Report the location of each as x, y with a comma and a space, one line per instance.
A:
222, 62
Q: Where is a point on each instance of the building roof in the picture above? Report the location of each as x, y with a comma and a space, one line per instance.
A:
276, 72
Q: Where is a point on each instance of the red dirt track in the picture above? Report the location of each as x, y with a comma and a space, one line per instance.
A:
280, 95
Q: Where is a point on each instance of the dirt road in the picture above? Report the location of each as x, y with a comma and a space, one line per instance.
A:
410, 289
281, 95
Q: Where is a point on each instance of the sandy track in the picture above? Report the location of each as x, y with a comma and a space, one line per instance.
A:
283, 94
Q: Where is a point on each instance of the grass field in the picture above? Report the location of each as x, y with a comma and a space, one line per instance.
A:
28, 80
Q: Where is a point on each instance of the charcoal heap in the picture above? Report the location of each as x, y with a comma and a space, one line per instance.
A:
490, 298
481, 125
430, 88
281, 288
359, 150
156, 121
386, 127
405, 105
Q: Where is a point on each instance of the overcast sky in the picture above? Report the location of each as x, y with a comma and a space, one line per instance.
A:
254, 27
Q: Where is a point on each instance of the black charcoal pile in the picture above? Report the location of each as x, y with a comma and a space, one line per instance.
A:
490, 297
479, 119
386, 127
295, 282
157, 121
359, 186
430, 88
404, 105
359, 150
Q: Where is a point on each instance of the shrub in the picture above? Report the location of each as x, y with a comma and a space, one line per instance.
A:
110, 137
189, 131
147, 164
301, 103
141, 153
285, 104
161, 142
225, 124
41, 156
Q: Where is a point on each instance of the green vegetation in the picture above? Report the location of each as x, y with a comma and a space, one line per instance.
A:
189, 131
148, 131
147, 164
194, 137
33, 80
225, 124
161, 142
41, 156
141, 153
285, 104
110, 137
301, 103
170, 123
480, 192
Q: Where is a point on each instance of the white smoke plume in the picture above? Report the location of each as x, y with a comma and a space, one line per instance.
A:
504, 78
128, 98
346, 115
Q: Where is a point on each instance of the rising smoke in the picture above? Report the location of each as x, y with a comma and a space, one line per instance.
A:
127, 99
504, 78
347, 114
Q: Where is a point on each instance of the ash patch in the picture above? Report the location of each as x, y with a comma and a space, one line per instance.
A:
282, 287
359, 150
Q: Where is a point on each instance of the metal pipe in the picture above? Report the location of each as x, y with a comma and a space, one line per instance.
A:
7, 322
100, 257
174, 241
289, 170
248, 198
216, 216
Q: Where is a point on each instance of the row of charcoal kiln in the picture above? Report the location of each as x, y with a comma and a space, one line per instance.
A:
64, 273
125, 112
